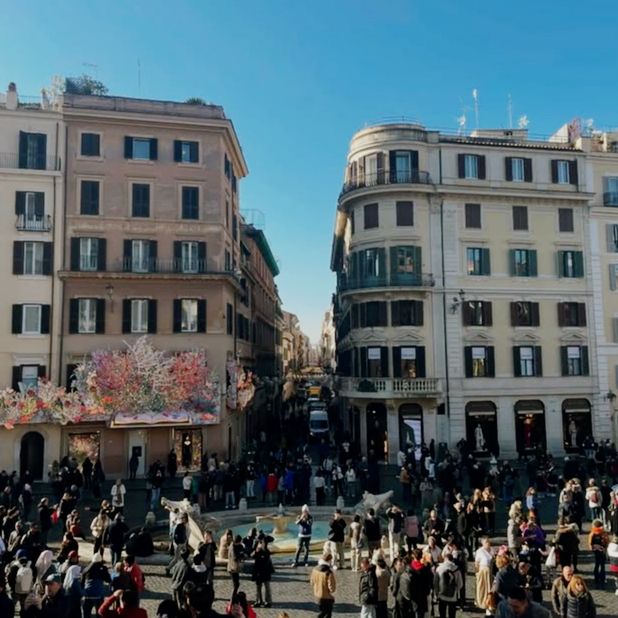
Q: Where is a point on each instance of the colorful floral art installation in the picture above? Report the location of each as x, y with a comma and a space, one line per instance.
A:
132, 381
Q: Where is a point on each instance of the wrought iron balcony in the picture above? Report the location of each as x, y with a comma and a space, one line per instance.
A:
383, 281
387, 178
38, 224
382, 388
610, 198
12, 160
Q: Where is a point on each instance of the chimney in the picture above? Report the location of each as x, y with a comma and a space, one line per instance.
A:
11, 96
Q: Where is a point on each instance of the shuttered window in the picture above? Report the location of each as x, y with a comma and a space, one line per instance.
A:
520, 218
371, 216
473, 216
405, 214
565, 220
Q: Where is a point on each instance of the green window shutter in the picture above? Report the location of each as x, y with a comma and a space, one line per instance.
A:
516, 362
418, 260
538, 360
420, 362
491, 363
487, 313
382, 263
394, 251
612, 276
485, 262
468, 361
20, 203
418, 311
396, 362
395, 320
578, 263
363, 363
609, 232
534, 314
564, 361
560, 263
100, 317
384, 361
532, 263
508, 168
512, 269
585, 362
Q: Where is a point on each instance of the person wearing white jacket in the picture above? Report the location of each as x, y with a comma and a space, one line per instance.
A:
612, 556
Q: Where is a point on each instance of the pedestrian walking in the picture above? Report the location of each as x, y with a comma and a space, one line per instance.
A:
372, 532
559, 588
305, 526
324, 586
447, 585
383, 577
368, 589
186, 486
483, 564
578, 602
356, 543
598, 540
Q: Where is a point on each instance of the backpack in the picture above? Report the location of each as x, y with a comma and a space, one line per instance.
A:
447, 585
23, 580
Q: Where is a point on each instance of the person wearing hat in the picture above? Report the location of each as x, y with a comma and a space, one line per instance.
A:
324, 585
94, 579
54, 603
305, 525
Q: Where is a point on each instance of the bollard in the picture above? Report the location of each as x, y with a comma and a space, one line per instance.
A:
242, 505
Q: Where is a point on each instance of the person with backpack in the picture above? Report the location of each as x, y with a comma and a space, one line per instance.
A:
447, 585
598, 540
368, 589
595, 500
20, 578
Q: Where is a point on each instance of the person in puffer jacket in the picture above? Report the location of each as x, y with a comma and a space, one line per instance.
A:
95, 580
578, 602
612, 556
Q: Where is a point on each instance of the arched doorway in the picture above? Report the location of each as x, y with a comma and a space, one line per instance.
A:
576, 423
31, 454
377, 434
530, 426
482, 428
411, 428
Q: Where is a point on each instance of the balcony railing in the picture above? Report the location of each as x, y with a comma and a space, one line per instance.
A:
387, 178
610, 198
382, 281
164, 265
39, 224
373, 388
11, 160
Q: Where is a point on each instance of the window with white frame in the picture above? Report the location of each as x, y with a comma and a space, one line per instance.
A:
31, 319
88, 253
87, 316
30, 210
139, 316
564, 172
29, 376
471, 166
188, 315
33, 258
574, 361
517, 169
140, 256
189, 257
526, 361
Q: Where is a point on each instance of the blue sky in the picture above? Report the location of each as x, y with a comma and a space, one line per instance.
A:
298, 78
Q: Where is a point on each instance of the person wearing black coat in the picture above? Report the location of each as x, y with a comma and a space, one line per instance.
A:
368, 587
262, 574
7, 606
208, 554
45, 519
180, 573
116, 535
577, 602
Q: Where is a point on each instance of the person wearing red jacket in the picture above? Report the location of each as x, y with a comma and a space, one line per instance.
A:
123, 603
135, 573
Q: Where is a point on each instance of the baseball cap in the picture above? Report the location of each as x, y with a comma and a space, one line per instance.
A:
53, 578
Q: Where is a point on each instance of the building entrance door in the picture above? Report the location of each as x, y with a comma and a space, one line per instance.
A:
31, 454
137, 446
377, 436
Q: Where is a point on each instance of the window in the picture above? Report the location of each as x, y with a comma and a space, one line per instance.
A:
523, 262
30, 319
479, 361
91, 145
189, 257
477, 313
477, 261
405, 214
189, 316
570, 264
471, 166
407, 313
87, 319
230, 319
525, 313
30, 210
228, 261
612, 237
30, 376
403, 165
571, 314
139, 316
371, 216
473, 216
518, 169
140, 200
409, 362
89, 197
186, 152
32, 150
406, 265
520, 218
369, 315
527, 361
33, 258
88, 253
610, 193
565, 220
140, 256
564, 172
574, 360
190, 203
369, 265
140, 148
374, 362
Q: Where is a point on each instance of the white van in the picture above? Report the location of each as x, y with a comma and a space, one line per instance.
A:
318, 424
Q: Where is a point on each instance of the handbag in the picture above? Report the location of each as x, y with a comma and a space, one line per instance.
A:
550, 562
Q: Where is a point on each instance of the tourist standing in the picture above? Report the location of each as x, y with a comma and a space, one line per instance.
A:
368, 589
356, 543
383, 577
118, 492
116, 537
262, 574
324, 586
305, 526
598, 541
447, 585
234, 558
336, 537
483, 562
373, 534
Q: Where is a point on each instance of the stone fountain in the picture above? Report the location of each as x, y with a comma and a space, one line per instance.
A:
198, 521
279, 520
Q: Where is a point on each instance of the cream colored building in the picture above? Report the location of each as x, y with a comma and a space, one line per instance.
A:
465, 301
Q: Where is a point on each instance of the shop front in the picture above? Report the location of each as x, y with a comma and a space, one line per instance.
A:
530, 430
411, 428
482, 428
576, 423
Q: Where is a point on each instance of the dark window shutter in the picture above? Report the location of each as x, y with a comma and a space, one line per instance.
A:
573, 177
382, 314
485, 262
152, 255
514, 315
527, 170
468, 361
127, 256
152, 316
42, 371
585, 362
395, 313
194, 152
554, 171
419, 314
20, 202
177, 256
466, 314
420, 362
491, 364
581, 314
126, 315
75, 261
380, 167
508, 168
153, 149
201, 316
99, 328
481, 166
45, 313
363, 362
17, 319
177, 326
177, 150
355, 316
578, 263
512, 265
564, 361
516, 361
41, 151
392, 165
487, 313
560, 263
201, 257
535, 317
538, 360
413, 162
396, 362
102, 255
39, 204
532, 263
47, 258
70, 375
23, 150
461, 165
73, 316
128, 147
16, 375
561, 314
384, 362
18, 257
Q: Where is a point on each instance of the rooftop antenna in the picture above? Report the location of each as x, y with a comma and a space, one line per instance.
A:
509, 109
475, 96
523, 122
461, 124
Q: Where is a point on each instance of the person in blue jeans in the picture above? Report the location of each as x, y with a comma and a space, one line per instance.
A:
305, 525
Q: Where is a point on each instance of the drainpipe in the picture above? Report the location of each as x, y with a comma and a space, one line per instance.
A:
447, 399
52, 330
64, 233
